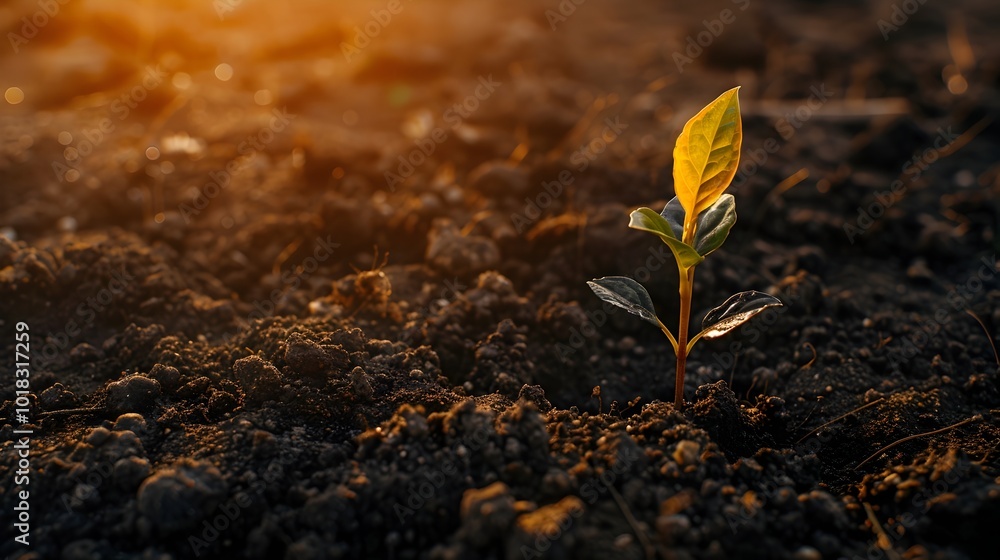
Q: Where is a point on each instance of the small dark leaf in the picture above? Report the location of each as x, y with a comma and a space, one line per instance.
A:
714, 225
626, 293
673, 213
736, 310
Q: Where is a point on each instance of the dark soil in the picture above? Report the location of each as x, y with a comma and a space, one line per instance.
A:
318, 360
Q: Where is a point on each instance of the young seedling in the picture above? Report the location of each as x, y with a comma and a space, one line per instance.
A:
693, 224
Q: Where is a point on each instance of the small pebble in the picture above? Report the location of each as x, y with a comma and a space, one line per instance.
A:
130, 472
135, 393
97, 436
807, 553
264, 444
686, 452
623, 540
131, 422
361, 384
83, 352
176, 499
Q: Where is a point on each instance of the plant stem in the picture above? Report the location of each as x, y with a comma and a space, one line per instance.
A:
686, 283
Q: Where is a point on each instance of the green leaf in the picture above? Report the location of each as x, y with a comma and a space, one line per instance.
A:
707, 154
714, 225
735, 311
626, 293
646, 219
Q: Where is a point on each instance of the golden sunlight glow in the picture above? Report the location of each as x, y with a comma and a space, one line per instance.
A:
181, 80
263, 97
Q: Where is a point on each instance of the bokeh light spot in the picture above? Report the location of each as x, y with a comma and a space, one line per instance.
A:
181, 80
263, 97
224, 72
13, 95
957, 84
67, 224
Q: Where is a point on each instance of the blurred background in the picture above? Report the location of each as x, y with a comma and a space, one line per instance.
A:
235, 131
183, 81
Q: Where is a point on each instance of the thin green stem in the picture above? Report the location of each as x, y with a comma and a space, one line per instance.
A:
686, 283
685, 287
670, 335
694, 339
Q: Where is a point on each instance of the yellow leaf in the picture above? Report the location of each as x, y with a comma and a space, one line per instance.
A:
706, 156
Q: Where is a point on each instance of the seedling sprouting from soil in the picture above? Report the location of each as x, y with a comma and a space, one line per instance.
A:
693, 224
